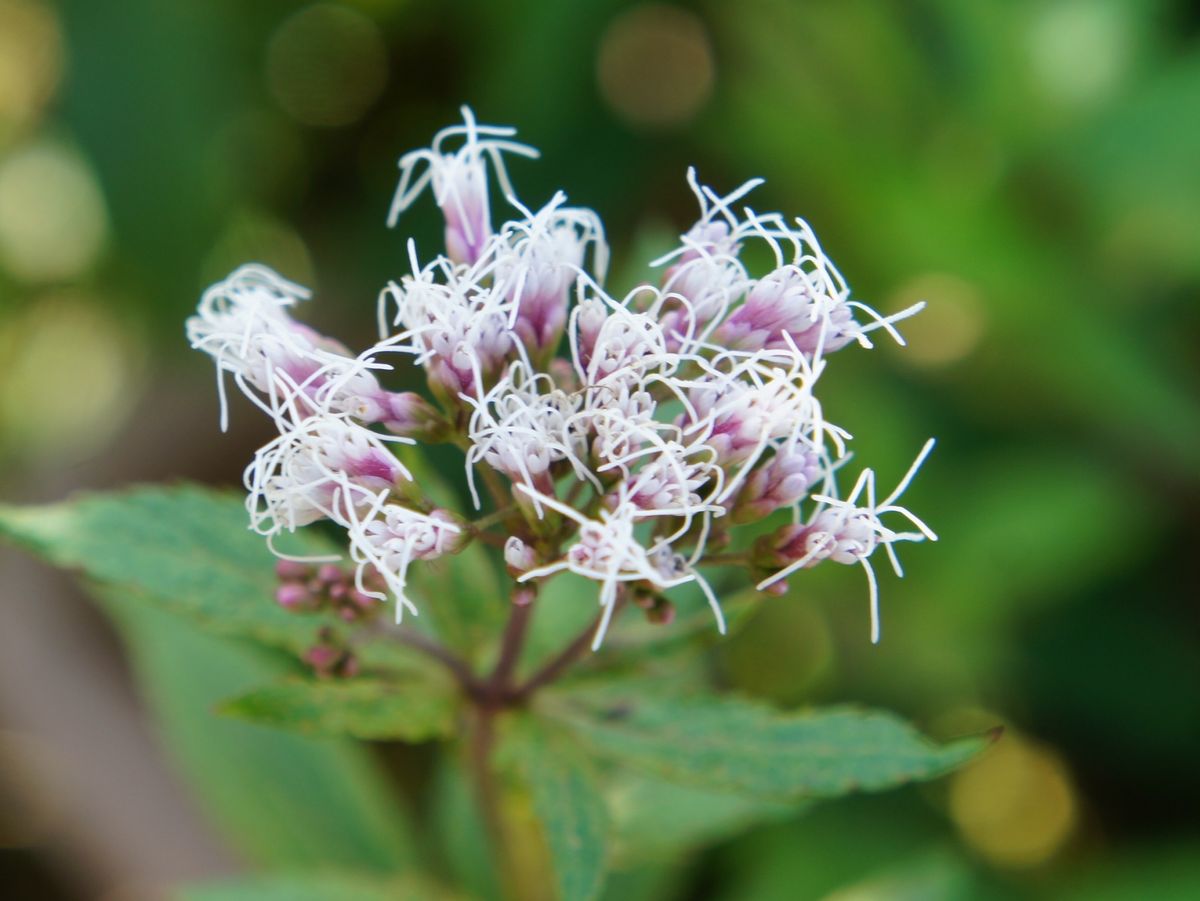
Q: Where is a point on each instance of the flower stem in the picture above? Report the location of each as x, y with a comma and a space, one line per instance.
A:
458, 667
494, 517
565, 658
512, 643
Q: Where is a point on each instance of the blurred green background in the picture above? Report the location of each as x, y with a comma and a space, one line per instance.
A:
1030, 169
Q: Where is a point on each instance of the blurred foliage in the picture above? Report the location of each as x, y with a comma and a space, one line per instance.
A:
1029, 168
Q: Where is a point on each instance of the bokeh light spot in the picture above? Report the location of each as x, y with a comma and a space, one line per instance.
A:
1078, 49
258, 156
781, 652
31, 61
257, 236
326, 65
53, 222
655, 66
1016, 805
949, 327
70, 380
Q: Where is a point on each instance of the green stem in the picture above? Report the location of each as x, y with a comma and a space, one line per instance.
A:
494, 517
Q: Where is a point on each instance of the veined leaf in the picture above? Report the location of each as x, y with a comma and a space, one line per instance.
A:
656, 820
281, 800
412, 709
732, 744
183, 546
568, 804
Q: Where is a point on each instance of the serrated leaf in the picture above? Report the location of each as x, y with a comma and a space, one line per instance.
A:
731, 744
280, 799
568, 803
185, 546
413, 710
319, 887
656, 820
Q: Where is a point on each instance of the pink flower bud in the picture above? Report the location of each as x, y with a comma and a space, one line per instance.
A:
410, 415
330, 573
518, 556
292, 570
780, 482
294, 596
789, 301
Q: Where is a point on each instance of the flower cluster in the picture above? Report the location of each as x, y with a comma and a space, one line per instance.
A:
620, 438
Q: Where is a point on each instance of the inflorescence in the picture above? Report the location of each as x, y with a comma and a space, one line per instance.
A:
619, 439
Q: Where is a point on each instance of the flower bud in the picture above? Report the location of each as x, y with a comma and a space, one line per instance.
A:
809, 309
294, 596
518, 556
330, 573
410, 415
662, 613
292, 570
780, 482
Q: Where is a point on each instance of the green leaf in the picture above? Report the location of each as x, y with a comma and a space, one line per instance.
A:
731, 744
567, 802
656, 820
281, 799
457, 829
319, 887
185, 546
413, 710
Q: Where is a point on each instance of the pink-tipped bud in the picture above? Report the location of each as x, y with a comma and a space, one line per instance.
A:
643, 599
364, 602
589, 321
323, 659
518, 556
330, 574
294, 596
410, 415
789, 301
292, 570
779, 482
329, 658
464, 203
844, 536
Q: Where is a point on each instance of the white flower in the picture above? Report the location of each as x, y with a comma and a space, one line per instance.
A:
453, 323
519, 557
626, 346
683, 407
244, 324
522, 427
843, 531
390, 537
460, 182
539, 260
323, 467
803, 305
705, 276
607, 551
